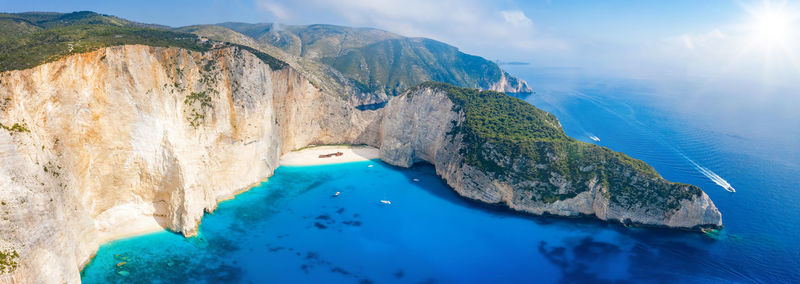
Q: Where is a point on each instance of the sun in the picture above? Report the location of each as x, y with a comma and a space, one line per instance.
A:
772, 27
772, 24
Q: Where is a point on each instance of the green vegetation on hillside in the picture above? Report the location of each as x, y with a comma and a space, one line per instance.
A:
377, 61
320, 75
30, 39
198, 102
222, 34
515, 141
394, 65
274, 63
312, 41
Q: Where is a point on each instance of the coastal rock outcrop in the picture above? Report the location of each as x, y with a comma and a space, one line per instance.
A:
426, 124
510, 84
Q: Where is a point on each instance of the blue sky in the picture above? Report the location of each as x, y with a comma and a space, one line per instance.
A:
598, 20
710, 38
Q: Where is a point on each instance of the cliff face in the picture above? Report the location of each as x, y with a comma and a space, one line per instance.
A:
509, 84
99, 142
425, 124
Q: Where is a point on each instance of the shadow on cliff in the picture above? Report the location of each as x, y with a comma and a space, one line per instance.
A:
371, 133
426, 174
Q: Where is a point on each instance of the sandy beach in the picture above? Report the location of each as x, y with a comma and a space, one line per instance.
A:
128, 226
128, 220
311, 155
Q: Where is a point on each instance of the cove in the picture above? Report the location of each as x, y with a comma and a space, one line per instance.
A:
292, 229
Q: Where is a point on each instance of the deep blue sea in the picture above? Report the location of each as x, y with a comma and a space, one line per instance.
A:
291, 230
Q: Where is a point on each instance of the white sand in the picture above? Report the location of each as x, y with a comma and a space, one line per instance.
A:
310, 156
137, 226
130, 219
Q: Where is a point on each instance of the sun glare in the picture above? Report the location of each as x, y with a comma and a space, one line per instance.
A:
773, 25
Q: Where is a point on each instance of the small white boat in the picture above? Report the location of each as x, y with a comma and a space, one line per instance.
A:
415, 180
337, 193
386, 202
594, 138
369, 166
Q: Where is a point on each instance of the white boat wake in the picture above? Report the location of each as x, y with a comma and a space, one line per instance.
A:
631, 118
712, 176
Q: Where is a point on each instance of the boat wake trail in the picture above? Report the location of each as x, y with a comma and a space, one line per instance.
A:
711, 175
628, 115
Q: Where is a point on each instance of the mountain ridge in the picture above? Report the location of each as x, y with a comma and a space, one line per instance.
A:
382, 63
366, 65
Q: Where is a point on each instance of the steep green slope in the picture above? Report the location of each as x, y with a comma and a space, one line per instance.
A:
383, 63
362, 64
313, 41
395, 65
517, 142
30, 39
321, 75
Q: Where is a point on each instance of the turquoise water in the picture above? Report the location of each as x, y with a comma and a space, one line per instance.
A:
291, 230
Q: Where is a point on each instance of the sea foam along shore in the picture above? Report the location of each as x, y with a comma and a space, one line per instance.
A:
140, 221
311, 155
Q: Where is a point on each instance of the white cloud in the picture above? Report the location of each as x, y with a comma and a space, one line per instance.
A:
517, 18
694, 41
724, 54
741, 51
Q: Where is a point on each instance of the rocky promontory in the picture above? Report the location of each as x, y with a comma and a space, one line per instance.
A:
497, 149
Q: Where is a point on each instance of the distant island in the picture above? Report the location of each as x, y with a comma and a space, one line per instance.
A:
511, 62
